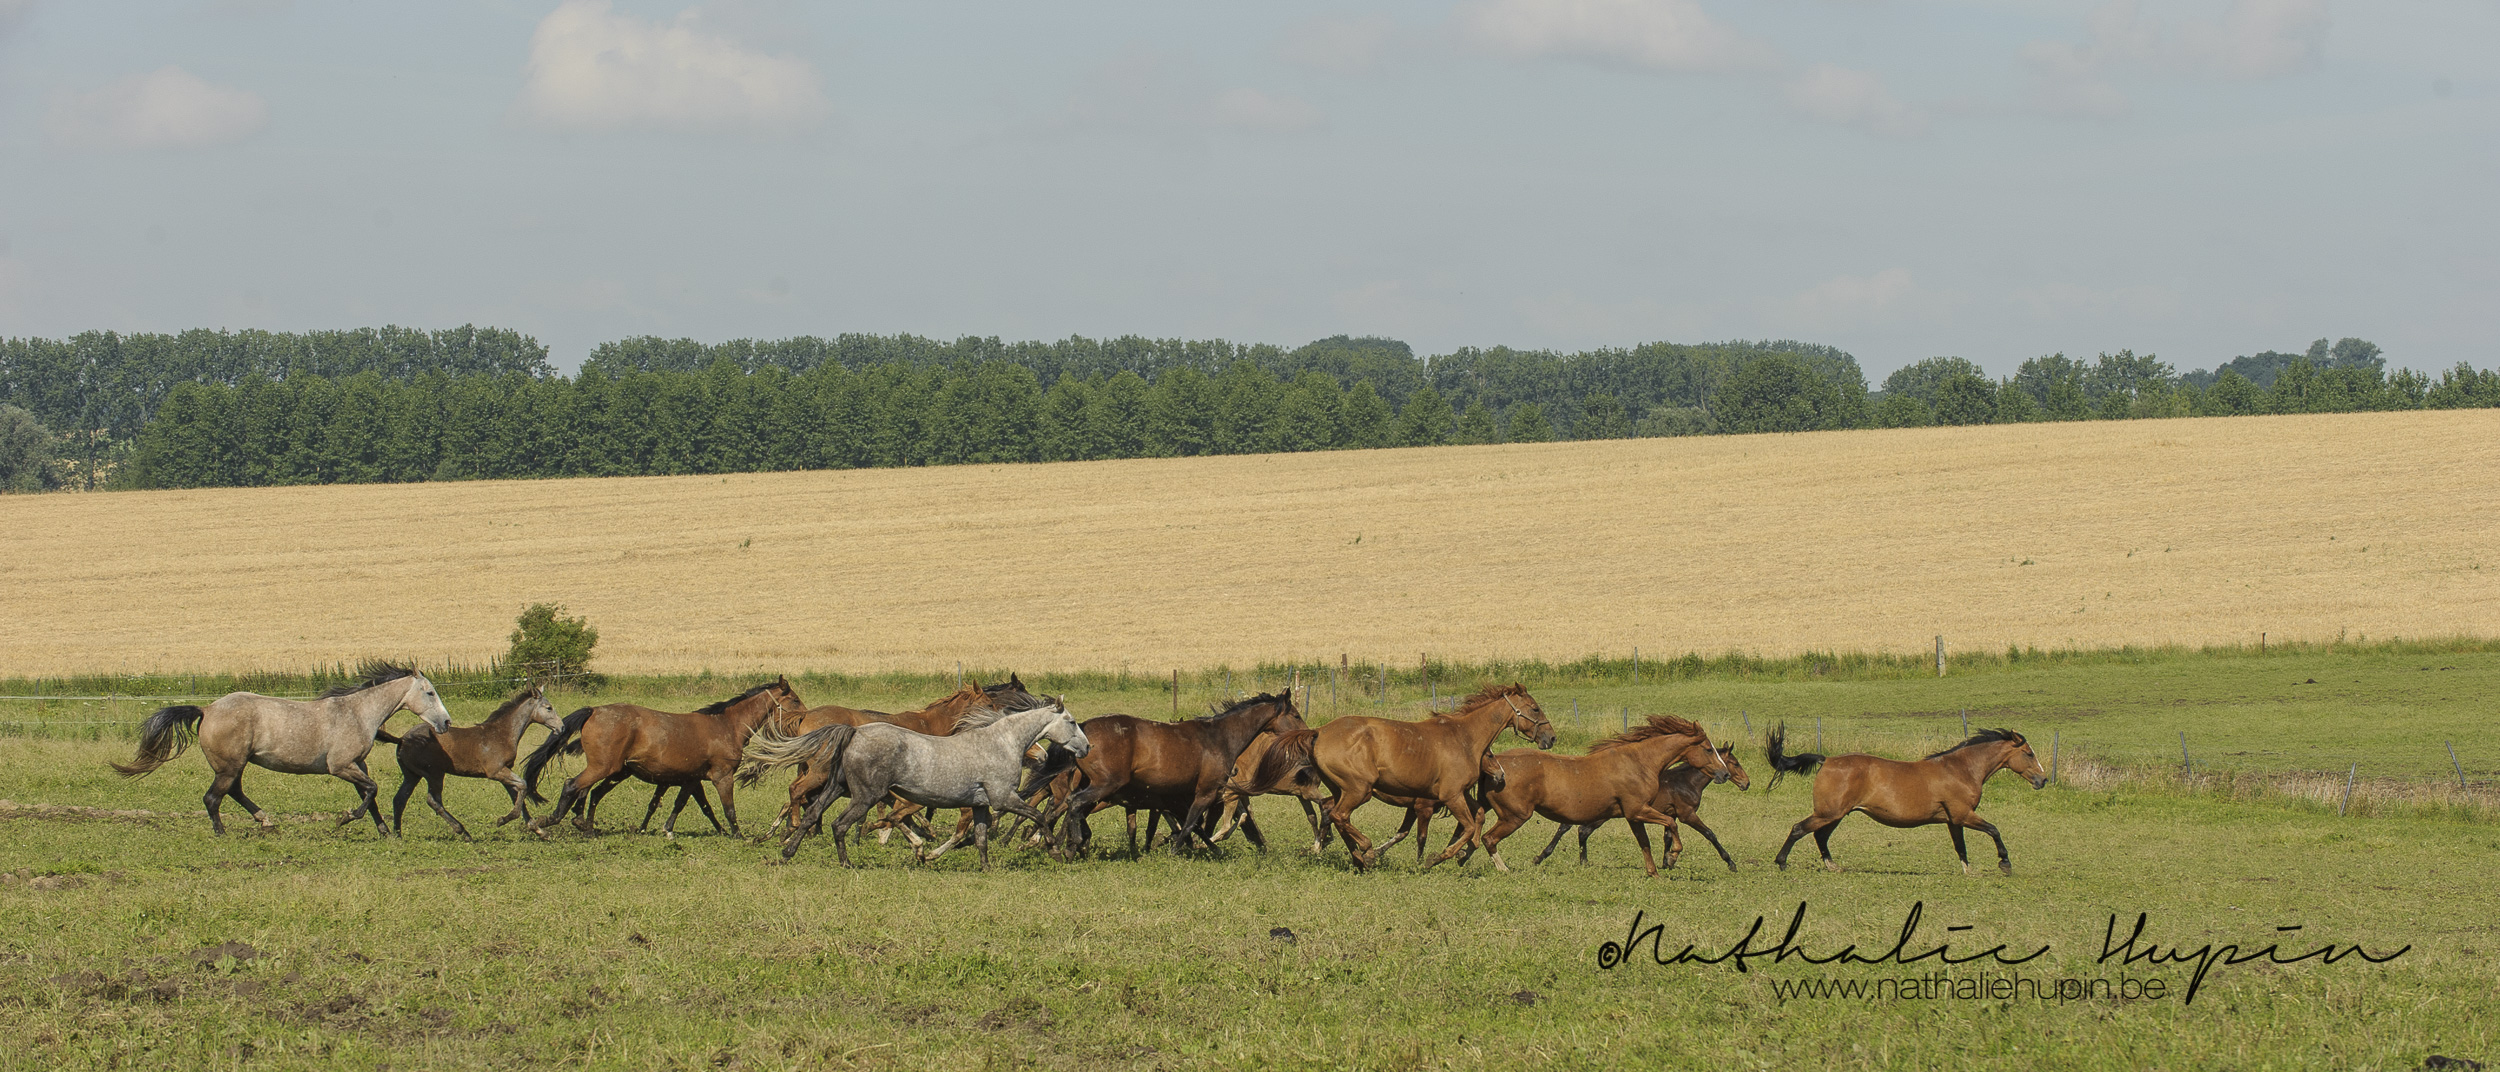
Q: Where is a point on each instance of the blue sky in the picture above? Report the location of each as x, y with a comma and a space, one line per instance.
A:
1899, 178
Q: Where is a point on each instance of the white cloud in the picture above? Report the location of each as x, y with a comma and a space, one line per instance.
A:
1273, 113
592, 69
169, 108
1672, 35
1343, 46
1856, 99
2253, 39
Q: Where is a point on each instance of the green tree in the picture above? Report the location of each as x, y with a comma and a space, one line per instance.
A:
1118, 415
1925, 380
1180, 415
1602, 417
1903, 411
545, 643
1426, 419
1965, 397
1308, 418
2015, 405
1366, 419
2231, 394
1527, 424
1476, 425
25, 451
1780, 393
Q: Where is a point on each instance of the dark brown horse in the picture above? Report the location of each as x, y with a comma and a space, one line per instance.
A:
1942, 788
1435, 759
485, 750
1175, 768
1679, 795
665, 748
1614, 781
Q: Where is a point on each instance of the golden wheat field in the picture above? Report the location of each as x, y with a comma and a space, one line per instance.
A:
2204, 531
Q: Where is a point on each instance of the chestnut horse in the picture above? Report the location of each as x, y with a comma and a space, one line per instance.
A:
662, 747
1679, 795
1942, 788
1615, 780
1436, 759
1177, 768
1311, 792
485, 750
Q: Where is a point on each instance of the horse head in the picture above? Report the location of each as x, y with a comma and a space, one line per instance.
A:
2019, 758
1284, 718
1063, 729
1703, 755
419, 698
1528, 719
1736, 771
537, 709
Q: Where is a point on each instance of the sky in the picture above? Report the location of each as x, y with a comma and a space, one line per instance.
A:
1989, 179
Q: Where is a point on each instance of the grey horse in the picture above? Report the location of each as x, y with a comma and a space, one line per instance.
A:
976, 767
328, 734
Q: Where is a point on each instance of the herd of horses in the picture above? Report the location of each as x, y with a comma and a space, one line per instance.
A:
1001, 749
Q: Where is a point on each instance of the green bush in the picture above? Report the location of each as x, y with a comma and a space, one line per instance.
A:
545, 643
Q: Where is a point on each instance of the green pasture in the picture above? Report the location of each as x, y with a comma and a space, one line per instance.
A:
144, 942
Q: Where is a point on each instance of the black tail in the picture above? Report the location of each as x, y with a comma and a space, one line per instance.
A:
1056, 760
1783, 765
162, 737
548, 748
385, 736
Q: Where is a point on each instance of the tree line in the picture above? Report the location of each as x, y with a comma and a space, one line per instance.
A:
201, 408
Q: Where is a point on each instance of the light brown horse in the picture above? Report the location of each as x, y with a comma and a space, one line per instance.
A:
1435, 759
485, 750
1615, 780
1942, 788
1311, 792
1177, 768
662, 747
1679, 795
329, 734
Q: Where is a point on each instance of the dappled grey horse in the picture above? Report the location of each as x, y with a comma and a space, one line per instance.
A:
328, 734
977, 767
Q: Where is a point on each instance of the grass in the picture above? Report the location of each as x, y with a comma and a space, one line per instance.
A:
2055, 536
628, 951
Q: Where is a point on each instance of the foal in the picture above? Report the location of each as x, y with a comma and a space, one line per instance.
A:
1942, 788
485, 750
1679, 796
1616, 780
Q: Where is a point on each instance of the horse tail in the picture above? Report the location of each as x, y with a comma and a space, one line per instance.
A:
1774, 744
548, 749
768, 750
1490, 779
162, 737
385, 736
1285, 761
1056, 760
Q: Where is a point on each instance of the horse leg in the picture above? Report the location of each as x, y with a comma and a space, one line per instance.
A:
1585, 830
1971, 819
704, 803
1341, 815
1559, 830
1959, 852
520, 803
1823, 843
1250, 828
258, 816
658, 794
399, 801
368, 796
981, 833
586, 808
726, 785
1321, 831
1502, 829
220, 784
1695, 822
1470, 824
1406, 826
434, 796
841, 826
1813, 824
1641, 835
1151, 819
565, 801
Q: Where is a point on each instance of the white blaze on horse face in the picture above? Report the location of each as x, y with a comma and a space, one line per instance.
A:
426, 704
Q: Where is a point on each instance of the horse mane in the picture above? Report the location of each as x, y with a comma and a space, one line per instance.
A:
1215, 712
723, 707
1981, 737
510, 705
1490, 693
1657, 726
983, 716
374, 673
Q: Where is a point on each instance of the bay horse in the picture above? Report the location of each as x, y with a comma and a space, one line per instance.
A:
485, 750
1942, 788
1178, 768
1435, 759
665, 748
329, 734
980, 766
1311, 792
1679, 795
1615, 780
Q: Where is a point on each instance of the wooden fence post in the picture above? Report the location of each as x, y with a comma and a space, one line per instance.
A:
2348, 776
1940, 655
2052, 757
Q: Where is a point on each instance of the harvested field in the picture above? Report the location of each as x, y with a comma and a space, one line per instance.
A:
2091, 534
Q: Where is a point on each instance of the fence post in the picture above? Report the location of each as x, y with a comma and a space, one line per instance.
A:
2261, 647
1176, 695
2052, 757
2348, 776
2452, 761
1636, 665
1966, 722
1940, 655
1748, 717
1818, 733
